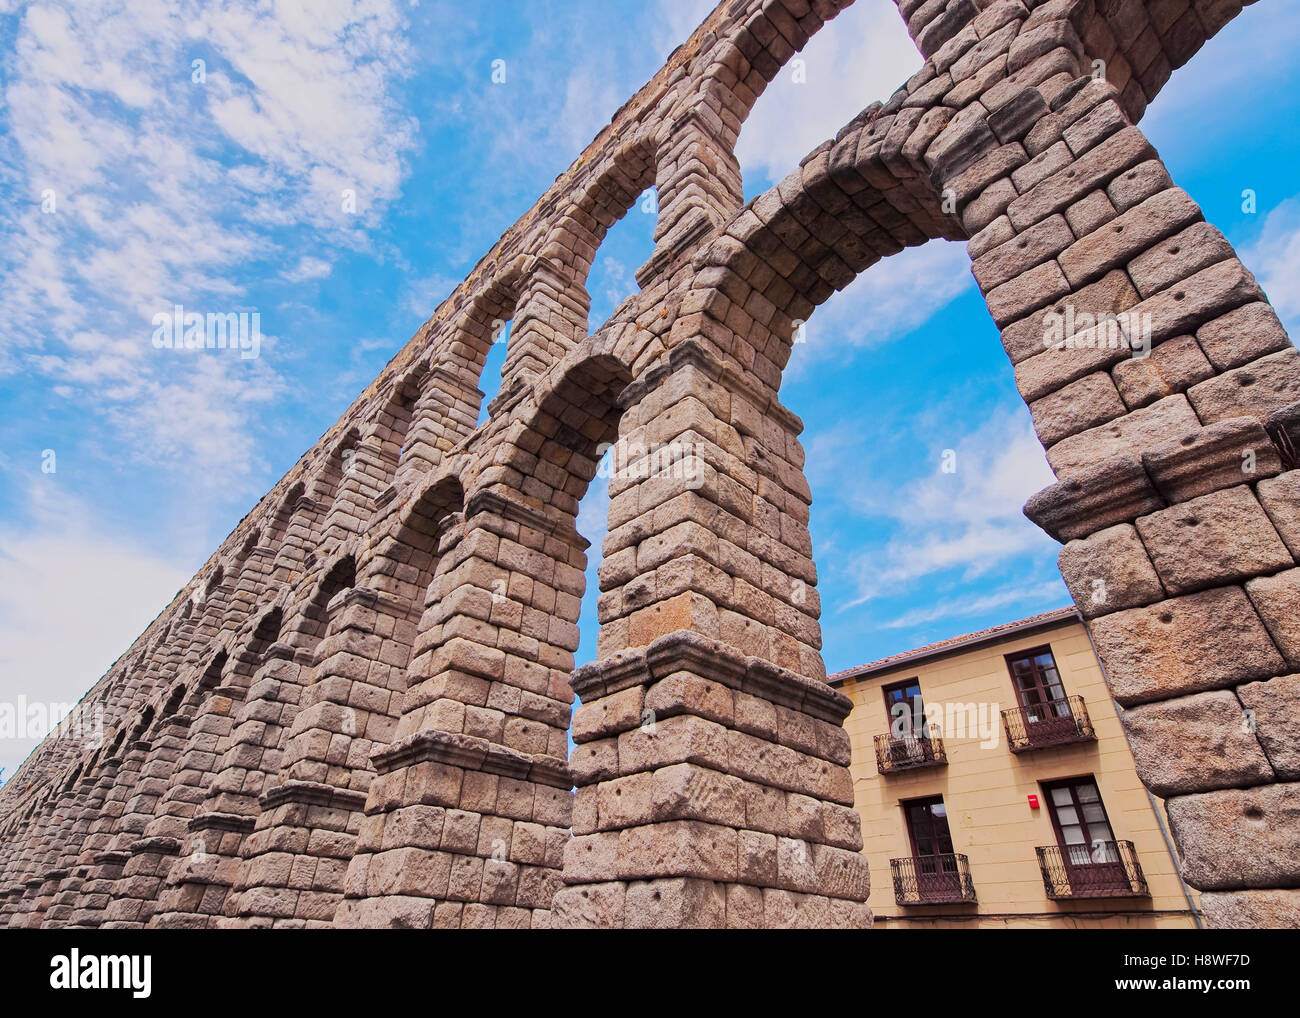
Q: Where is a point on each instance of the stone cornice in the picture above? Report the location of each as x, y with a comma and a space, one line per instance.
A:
497, 503
700, 655
214, 821
470, 752
312, 793
159, 845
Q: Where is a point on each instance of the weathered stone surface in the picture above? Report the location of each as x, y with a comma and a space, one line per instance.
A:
1252, 910
1084, 404
1019, 254
1090, 213
1114, 155
1109, 571
1128, 236
1138, 184
1027, 292
1280, 497
1032, 335
1182, 255
1223, 455
1253, 390
1194, 743
1133, 432
1212, 540
1173, 366
1190, 303
1275, 707
1239, 838
1184, 645
675, 904
1277, 600
1242, 335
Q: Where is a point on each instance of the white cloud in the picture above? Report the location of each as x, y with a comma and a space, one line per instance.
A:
889, 299
171, 190
422, 296
961, 606
308, 268
1276, 254
673, 21
860, 57
69, 579
968, 521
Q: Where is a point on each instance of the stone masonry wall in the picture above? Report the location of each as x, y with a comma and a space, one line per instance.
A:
356, 712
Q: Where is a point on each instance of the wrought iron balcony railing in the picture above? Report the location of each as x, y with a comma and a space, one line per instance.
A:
1104, 869
907, 752
932, 880
1052, 723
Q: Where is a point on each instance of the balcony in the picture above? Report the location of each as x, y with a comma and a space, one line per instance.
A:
908, 752
1053, 723
932, 880
1106, 869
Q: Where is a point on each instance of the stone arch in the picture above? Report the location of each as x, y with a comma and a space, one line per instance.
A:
278, 525
1044, 174
550, 321
211, 676
854, 200
199, 884
706, 740
87, 833
325, 485
699, 183
488, 698
447, 410
570, 246
349, 707
142, 723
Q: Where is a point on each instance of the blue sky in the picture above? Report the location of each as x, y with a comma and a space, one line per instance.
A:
224, 194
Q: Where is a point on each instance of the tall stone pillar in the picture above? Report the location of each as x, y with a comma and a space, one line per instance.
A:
711, 765
698, 183
1165, 392
444, 415
104, 866
221, 811
468, 812
550, 319
76, 860
294, 863
143, 858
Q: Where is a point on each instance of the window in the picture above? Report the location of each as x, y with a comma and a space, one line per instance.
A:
934, 874
909, 743
1086, 861
1037, 681
903, 706
1082, 827
927, 825
1046, 716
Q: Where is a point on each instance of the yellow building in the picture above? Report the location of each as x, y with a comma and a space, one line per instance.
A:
996, 788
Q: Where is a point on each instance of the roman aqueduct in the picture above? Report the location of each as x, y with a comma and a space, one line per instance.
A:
356, 713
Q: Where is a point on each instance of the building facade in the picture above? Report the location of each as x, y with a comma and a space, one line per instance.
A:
996, 788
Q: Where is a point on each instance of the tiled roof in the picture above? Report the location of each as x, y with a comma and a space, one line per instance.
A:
952, 643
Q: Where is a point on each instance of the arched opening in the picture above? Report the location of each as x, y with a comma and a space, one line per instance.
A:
858, 58
339, 464
282, 516
142, 724
116, 744
494, 365
173, 703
